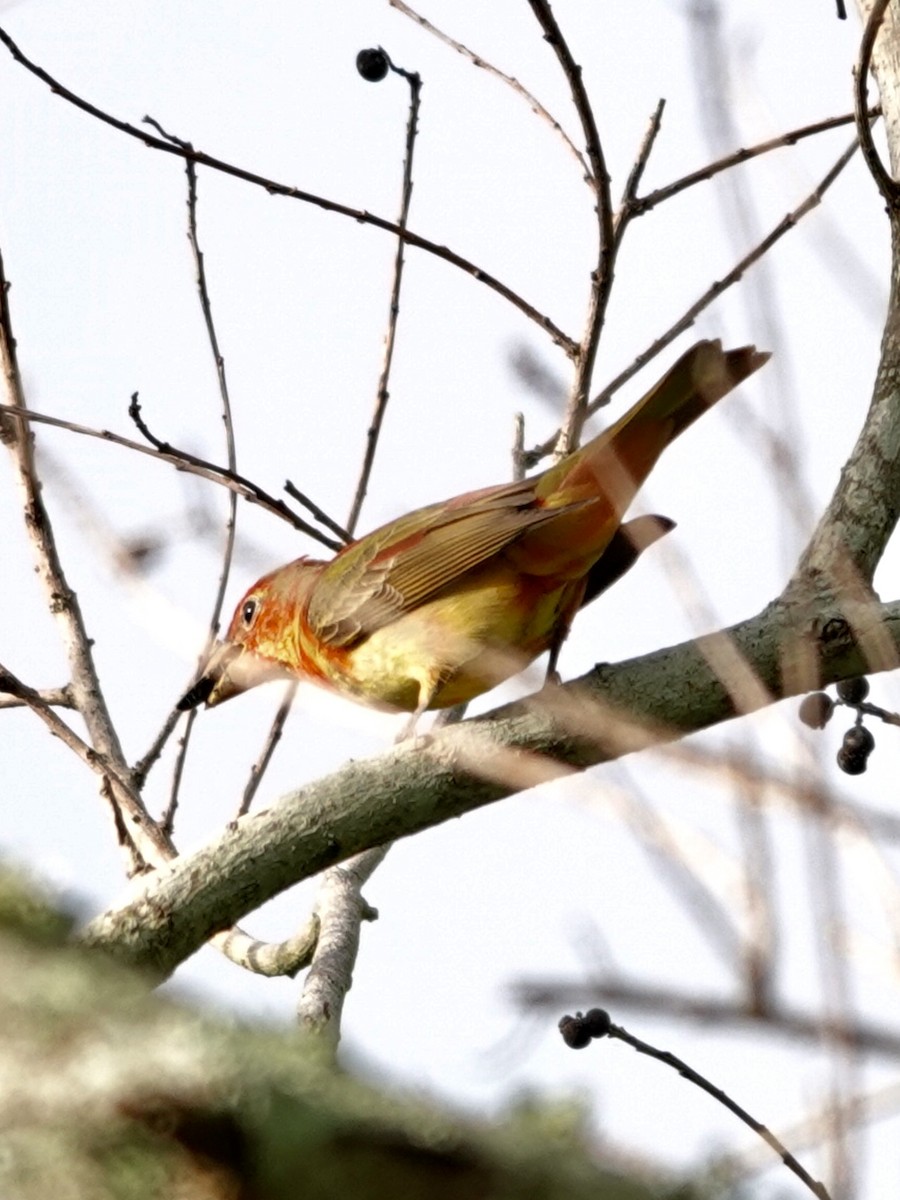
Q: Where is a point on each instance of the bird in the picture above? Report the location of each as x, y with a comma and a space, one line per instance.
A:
440, 605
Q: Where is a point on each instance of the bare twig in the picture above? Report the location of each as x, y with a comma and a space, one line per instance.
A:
142, 836
728, 280
577, 1032
761, 941
167, 820
219, 362
226, 476
182, 460
150, 843
662, 840
686, 320
886, 185
518, 447
642, 204
52, 697
280, 189
381, 394
265, 755
547, 995
280, 958
602, 274
320, 515
142, 767
627, 204
231, 523
477, 61
272, 958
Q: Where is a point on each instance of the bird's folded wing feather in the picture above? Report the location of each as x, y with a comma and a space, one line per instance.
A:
372, 582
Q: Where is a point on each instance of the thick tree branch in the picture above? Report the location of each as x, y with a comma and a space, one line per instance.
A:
863, 512
609, 712
340, 911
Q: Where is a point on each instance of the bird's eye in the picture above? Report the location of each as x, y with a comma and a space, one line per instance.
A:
248, 612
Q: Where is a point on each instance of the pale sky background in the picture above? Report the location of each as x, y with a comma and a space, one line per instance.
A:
92, 229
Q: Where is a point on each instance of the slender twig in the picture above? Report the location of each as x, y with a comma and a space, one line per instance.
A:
577, 1032
828, 920
320, 515
231, 454
265, 755
873, 710
361, 216
716, 289
142, 767
142, 837
686, 320
680, 871
167, 819
602, 273
627, 204
642, 204
182, 460
518, 447
381, 394
761, 940
781, 1021
340, 907
271, 958
219, 362
477, 61
148, 844
52, 697
888, 187
227, 475
152, 845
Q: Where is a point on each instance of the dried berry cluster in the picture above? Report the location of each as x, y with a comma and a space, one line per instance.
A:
578, 1031
816, 711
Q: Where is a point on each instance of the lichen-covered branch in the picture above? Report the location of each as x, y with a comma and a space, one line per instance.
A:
615, 709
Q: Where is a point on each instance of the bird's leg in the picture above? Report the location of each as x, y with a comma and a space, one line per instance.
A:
408, 730
427, 690
552, 677
560, 633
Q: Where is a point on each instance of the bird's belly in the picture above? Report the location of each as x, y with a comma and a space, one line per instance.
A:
458, 645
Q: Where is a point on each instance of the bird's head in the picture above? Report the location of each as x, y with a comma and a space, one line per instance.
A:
262, 641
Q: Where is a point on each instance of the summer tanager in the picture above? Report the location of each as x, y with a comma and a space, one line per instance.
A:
440, 605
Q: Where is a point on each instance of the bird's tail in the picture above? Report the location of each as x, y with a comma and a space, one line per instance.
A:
597, 483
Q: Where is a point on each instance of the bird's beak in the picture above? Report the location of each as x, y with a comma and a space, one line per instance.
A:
229, 670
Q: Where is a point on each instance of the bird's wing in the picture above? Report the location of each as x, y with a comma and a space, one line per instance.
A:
405, 564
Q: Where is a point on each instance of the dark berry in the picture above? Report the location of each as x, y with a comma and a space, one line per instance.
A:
853, 691
855, 749
851, 764
816, 710
858, 740
597, 1022
372, 64
574, 1033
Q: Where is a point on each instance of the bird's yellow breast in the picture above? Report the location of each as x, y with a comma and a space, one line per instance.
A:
458, 645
